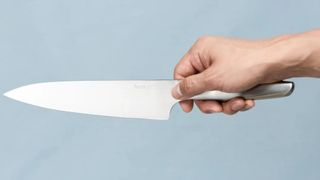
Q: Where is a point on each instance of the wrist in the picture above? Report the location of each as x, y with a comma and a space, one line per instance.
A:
312, 62
297, 56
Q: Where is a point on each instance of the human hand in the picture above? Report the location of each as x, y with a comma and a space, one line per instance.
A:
229, 65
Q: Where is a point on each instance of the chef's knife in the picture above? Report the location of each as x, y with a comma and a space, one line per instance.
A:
130, 99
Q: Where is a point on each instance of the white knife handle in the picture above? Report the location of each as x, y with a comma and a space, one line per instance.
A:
265, 91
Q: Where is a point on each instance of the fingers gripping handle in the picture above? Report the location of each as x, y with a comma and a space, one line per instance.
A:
265, 91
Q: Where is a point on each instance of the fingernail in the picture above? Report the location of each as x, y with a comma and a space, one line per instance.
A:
247, 107
216, 109
236, 107
176, 92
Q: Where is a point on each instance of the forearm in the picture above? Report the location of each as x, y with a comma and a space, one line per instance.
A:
301, 55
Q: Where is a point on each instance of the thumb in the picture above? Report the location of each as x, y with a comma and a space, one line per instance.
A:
190, 86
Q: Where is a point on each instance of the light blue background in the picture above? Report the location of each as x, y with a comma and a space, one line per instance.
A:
43, 40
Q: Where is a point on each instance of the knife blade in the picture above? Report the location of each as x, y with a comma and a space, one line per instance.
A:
149, 99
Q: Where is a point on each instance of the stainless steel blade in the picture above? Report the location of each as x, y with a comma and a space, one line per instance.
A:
129, 99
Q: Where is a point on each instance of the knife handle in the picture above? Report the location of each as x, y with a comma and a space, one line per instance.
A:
264, 91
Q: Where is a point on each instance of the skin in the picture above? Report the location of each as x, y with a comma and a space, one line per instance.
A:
235, 65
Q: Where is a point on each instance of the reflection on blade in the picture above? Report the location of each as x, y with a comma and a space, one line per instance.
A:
129, 99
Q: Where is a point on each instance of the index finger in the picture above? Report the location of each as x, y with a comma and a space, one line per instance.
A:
184, 68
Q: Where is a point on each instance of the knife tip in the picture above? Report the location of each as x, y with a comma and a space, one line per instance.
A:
7, 94
10, 94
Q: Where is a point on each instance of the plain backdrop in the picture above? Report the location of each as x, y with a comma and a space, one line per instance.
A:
53, 40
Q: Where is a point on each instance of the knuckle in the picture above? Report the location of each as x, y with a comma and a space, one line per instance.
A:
227, 109
196, 58
176, 72
203, 39
207, 40
179, 71
187, 86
